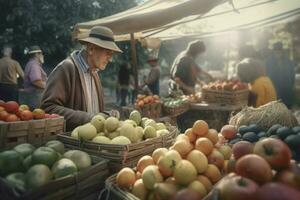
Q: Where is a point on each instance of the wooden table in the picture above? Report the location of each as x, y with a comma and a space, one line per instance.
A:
215, 115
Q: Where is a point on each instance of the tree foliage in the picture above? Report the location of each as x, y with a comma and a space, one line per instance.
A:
49, 23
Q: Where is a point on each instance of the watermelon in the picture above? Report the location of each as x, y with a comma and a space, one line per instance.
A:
37, 176
16, 180
10, 162
24, 149
58, 146
64, 167
44, 155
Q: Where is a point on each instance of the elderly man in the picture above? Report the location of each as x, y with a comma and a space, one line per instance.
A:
9, 70
74, 89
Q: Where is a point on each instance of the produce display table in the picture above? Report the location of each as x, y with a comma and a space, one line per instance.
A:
215, 115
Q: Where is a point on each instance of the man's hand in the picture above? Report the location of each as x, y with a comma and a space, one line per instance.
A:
114, 113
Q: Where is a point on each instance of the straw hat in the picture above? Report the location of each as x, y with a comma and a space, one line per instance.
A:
34, 49
102, 37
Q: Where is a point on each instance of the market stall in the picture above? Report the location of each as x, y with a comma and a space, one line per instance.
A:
224, 146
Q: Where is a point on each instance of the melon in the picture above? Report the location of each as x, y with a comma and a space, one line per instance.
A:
81, 159
37, 176
135, 116
44, 155
24, 149
101, 139
122, 140
98, 122
27, 162
149, 132
111, 124
64, 167
74, 133
129, 131
10, 162
87, 132
56, 145
16, 180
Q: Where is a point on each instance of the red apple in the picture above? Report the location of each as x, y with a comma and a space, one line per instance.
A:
11, 106
53, 116
277, 191
26, 115
12, 118
254, 167
275, 152
290, 176
23, 107
38, 113
238, 188
242, 148
216, 158
229, 131
3, 115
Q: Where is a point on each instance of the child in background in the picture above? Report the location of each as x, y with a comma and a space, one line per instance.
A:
262, 89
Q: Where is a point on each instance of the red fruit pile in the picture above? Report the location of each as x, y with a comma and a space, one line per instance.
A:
11, 111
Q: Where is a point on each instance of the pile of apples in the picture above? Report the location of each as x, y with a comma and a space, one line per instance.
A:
263, 170
143, 100
187, 170
227, 85
11, 111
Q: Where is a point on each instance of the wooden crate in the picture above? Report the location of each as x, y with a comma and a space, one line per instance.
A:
223, 97
152, 111
177, 110
120, 155
85, 184
35, 132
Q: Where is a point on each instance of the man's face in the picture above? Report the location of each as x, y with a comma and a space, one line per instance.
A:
100, 57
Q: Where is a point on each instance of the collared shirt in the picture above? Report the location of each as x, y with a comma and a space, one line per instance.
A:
9, 69
33, 72
92, 98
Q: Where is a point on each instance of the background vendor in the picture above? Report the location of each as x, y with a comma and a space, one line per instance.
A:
74, 88
185, 72
262, 90
152, 81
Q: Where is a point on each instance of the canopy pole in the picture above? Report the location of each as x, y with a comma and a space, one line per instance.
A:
134, 62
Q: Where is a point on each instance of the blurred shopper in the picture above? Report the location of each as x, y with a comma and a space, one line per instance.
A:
35, 78
281, 71
123, 83
9, 71
185, 72
262, 89
152, 81
74, 88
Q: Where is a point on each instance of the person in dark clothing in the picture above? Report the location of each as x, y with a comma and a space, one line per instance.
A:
281, 71
185, 71
123, 82
152, 81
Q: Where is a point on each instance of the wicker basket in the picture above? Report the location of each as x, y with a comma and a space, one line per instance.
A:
239, 97
177, 110
113, 192
83, 185
152, 110
120, 155
35, 132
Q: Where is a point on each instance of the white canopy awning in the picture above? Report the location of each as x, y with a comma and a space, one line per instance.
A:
152, 14
251, 13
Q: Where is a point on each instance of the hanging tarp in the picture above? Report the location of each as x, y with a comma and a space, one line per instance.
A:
222, 19
152, 14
